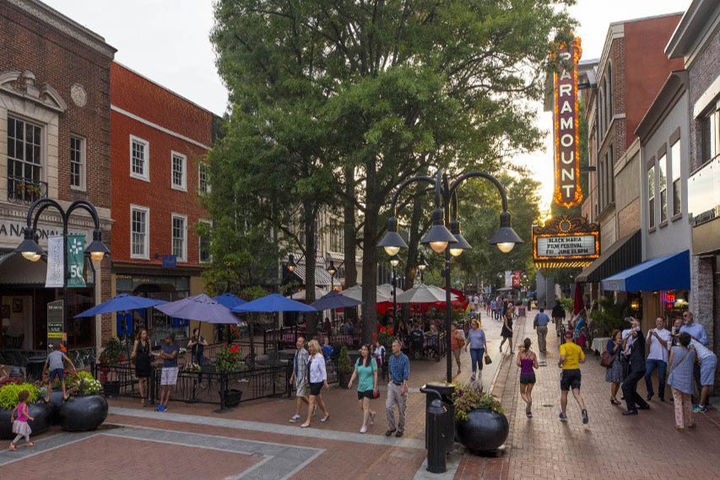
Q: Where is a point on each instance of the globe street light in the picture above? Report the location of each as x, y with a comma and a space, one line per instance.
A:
439, 237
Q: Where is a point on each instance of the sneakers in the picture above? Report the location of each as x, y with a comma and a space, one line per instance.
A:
389, 432
161, 408
585, 418
563, 417
472, 377
294, 418
363, 429
399, 433
699, 409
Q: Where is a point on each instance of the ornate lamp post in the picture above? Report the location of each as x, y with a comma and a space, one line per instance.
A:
439, 238
394, 262
31, 251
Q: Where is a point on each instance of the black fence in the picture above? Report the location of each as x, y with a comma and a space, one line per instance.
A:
207, 386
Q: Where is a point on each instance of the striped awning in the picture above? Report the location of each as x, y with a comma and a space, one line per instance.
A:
322, 277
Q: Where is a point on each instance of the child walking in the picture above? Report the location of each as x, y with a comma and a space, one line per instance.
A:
20, 425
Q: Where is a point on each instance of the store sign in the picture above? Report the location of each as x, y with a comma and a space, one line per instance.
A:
567, 146
11, 232
75, 256
566, 242
55, 313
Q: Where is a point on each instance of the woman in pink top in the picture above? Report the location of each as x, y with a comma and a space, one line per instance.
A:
20, 425
527, 361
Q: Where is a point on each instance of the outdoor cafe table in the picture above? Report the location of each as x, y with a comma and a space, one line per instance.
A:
599, 344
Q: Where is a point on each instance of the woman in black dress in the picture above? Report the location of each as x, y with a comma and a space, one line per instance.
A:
507, 331
143, 364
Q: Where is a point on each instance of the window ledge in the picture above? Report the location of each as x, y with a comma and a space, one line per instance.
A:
178, 188
663, 224
652, 229
677, 217
144, 178
78, 189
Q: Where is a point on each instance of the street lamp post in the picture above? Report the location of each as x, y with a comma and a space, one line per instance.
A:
422, 265
394, 262
31, 251
439, 238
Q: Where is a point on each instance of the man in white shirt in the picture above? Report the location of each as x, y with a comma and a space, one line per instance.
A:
659, 340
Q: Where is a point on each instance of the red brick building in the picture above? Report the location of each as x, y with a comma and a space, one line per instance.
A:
54, 142
159, 143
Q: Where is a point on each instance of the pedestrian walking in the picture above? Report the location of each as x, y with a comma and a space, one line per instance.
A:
507, 329
143, 363
708, 364
19, 419
636, 368
318, 380
478, 350
571, 356
682, 358
55, 364
540, 324
399, 366
169, 372
659, 340
614, 374
367, 389
558, 314
527, 361
299, 377
457, 343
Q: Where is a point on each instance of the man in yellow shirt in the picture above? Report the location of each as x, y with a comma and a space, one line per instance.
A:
571, 356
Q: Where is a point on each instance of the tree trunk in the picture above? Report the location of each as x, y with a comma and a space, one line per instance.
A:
369, 263
309, 214
350, 246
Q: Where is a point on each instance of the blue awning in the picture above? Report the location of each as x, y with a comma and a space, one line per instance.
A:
669, 272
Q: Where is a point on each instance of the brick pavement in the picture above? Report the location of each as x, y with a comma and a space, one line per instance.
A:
610, 446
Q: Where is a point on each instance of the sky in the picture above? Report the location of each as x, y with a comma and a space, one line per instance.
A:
168, 42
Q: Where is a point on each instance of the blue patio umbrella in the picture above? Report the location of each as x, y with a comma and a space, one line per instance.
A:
273, 303
201, 308
334, 300
229, 300
121, 303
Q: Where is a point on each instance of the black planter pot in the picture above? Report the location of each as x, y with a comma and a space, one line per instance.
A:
40, 411
56, 401
232, 397
484, 431
79, 414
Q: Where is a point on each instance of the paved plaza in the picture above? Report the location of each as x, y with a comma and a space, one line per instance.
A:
256, 441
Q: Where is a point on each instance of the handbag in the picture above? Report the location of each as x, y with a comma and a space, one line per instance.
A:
488, 360
606, 360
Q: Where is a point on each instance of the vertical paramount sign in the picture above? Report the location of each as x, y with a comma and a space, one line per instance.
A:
567, 148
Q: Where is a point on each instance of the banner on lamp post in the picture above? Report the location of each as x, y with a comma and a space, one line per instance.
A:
508, 279
54, 275
76, 260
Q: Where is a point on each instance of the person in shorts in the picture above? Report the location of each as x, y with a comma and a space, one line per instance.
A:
169, 372
571, 356
367, 389
55, 364
708, 364
300, 377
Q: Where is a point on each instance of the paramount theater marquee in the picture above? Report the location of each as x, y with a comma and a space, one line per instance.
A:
566, 242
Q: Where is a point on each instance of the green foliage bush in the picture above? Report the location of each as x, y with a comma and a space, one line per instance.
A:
9, 394
468, 397
344, 365
608, 317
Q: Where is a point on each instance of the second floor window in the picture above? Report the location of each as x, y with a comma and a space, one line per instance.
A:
204, 178
710, 135
139, 232
139, 158
24, 161
337, 240
676, 172
179, 177
204, 255
179, 237
662, 186
651, 196
77, 163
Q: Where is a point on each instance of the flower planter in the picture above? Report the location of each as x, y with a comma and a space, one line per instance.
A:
79, 414
484, 430
40, 411
232, 397
111, 388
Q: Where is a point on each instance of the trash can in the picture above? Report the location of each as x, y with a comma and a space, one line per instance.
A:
439, 424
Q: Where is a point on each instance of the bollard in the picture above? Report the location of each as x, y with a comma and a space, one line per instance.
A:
435, 437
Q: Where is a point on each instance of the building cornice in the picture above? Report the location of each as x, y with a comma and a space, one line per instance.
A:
154, 125
65, 25
692, 31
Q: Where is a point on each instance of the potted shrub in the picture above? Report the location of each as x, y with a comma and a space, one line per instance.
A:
86, 409
480, 422
228, 361
111, 355
345, 367
39, 410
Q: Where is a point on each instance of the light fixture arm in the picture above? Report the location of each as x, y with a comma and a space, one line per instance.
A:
486, 176
401, 187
